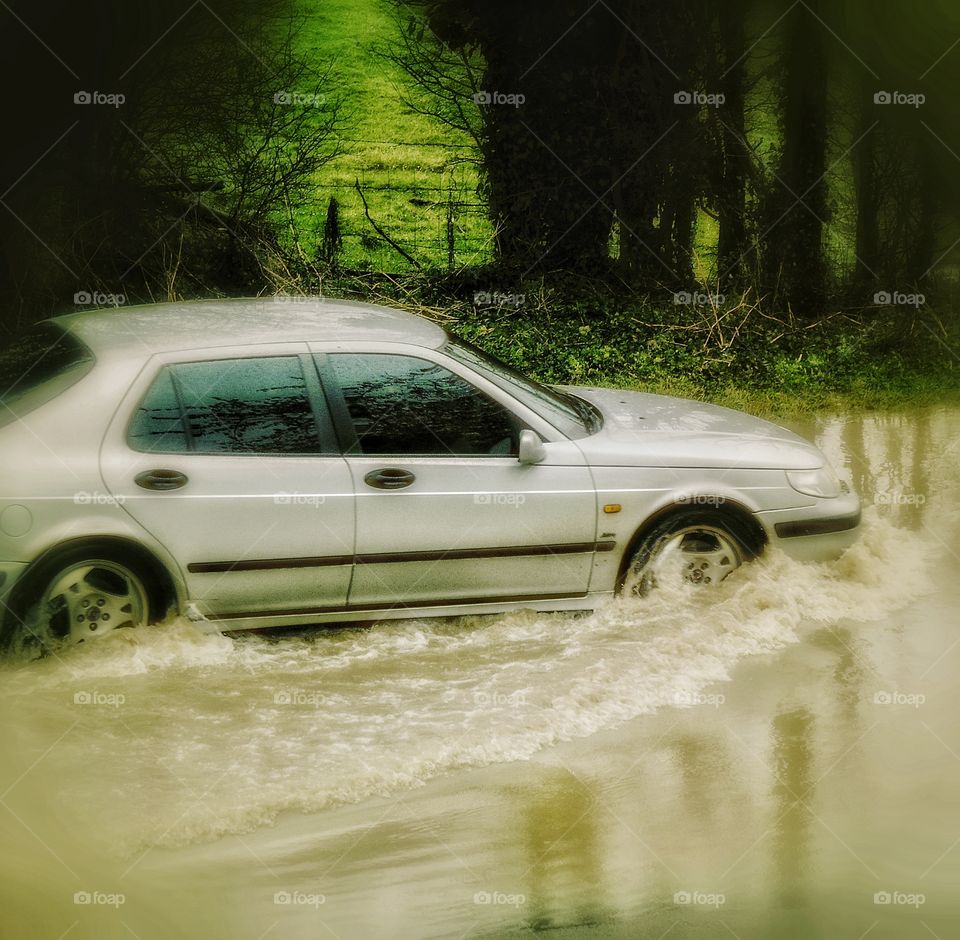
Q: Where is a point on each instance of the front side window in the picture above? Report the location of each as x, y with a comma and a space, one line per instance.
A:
402, 405
228, 406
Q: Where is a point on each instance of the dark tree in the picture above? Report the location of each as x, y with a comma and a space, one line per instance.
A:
797, 201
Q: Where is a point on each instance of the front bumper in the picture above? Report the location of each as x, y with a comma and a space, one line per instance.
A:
817, 532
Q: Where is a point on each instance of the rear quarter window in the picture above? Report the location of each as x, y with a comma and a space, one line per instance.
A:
38, 365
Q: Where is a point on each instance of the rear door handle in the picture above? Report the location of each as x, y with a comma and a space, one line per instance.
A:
389, 478
160, 479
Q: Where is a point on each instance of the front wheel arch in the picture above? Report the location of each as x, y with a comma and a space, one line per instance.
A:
725, 513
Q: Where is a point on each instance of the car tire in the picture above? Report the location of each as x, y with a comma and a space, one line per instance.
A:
692, 545
78, 594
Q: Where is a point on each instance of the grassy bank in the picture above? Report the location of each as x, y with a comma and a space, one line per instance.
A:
740, 355
415, 173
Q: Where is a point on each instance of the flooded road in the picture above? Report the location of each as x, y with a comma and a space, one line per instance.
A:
780, 757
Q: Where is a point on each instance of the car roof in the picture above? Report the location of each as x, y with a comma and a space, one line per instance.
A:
204, 324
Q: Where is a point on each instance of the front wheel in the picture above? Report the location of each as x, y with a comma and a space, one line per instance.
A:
690, 547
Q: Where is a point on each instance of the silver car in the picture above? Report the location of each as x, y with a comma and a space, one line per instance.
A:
282, 461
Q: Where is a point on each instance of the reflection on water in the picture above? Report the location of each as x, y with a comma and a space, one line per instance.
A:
544, 772
896, 461
793, 786
559, 834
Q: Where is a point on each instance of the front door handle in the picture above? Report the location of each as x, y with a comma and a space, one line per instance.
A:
390, 478
160, 479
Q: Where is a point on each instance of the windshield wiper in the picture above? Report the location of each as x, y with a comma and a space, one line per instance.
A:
591, 416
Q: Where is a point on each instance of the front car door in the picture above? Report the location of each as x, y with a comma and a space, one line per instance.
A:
446, 513
229, 459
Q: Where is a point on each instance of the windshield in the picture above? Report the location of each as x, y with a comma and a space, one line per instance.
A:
38, 365
571, 415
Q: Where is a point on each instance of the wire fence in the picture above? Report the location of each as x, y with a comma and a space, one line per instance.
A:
395, 220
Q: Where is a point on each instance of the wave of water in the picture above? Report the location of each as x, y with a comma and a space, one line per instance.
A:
196, 736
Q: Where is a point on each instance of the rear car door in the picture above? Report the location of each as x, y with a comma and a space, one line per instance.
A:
229, 459
446, 513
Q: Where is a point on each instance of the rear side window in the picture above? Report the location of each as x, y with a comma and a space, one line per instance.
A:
38, 365
230, 406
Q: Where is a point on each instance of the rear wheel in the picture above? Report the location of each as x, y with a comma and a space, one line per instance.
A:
690, 547
80, 594
92, 598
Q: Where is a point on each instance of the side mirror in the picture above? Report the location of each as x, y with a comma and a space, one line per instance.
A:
531, 448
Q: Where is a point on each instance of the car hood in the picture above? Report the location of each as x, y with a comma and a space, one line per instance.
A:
640, 429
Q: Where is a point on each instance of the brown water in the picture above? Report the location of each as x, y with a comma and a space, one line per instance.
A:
778, 758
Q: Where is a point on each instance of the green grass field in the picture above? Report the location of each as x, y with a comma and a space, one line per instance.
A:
395, 153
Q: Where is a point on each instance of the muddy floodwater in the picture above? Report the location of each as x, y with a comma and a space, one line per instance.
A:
777, 758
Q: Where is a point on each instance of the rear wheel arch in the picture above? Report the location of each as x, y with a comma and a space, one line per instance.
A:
158, 581
725, 513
